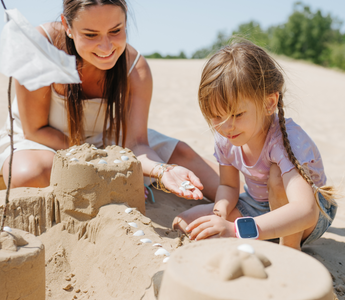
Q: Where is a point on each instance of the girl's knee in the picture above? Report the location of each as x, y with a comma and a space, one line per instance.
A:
275, 177
276, 191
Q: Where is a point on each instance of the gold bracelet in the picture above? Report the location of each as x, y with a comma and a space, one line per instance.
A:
159, 184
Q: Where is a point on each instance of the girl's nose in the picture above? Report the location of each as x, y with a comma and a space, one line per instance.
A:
228, 126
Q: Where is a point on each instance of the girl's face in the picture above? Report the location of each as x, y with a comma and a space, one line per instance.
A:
246, 126
99, 34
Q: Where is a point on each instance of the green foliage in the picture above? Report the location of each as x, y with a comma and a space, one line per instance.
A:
182, 55
306, 35
252, 31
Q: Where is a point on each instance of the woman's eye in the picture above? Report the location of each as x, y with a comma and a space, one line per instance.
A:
90, 35
115, 31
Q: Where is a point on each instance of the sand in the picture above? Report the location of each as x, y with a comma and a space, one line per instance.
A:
97, 266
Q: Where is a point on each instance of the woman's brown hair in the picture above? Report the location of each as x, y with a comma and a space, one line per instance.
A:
243, 70
115, 84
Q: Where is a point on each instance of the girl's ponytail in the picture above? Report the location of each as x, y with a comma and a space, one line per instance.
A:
328, 192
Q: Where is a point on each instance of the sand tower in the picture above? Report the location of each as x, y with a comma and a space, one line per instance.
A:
243, 269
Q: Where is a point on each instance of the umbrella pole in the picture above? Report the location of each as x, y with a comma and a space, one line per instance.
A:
11, 157
3, 4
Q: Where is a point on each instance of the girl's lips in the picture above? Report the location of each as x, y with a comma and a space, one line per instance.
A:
231, 137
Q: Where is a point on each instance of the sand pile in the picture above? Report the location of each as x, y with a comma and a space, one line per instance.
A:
22, 266
99, 248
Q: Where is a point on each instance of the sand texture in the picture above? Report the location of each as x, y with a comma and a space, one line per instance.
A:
22, 268
101, 259
197, 271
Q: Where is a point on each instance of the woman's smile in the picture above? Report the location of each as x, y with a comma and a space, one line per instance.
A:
105, 56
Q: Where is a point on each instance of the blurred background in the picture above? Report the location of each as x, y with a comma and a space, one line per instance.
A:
311, 30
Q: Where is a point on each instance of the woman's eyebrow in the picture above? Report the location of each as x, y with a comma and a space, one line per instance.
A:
87, 29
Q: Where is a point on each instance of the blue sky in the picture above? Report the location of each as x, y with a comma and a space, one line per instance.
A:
169, 27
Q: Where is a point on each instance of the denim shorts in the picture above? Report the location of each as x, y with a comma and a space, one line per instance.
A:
249, 207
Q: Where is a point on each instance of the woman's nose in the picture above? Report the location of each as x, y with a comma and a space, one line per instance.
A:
105, 45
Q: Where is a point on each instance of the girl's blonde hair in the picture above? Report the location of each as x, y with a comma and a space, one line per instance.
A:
243, 70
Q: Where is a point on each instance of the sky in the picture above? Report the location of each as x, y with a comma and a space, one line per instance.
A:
171, 26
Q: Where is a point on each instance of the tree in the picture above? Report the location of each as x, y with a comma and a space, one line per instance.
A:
306, 35
252, 32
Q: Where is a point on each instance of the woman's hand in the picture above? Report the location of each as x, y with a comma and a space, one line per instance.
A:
173, 178
210, 227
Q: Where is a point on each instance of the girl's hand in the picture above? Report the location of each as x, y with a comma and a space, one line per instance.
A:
210, 227
173, 178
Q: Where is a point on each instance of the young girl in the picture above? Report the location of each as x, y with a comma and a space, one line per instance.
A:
240, 91
110, 105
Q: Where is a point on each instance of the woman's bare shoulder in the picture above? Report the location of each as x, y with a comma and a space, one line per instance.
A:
139, 65
54, 29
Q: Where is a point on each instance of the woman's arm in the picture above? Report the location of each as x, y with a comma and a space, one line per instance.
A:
137, 140
34, 114
34, 111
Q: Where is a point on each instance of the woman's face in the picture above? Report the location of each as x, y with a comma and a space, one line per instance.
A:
99, 34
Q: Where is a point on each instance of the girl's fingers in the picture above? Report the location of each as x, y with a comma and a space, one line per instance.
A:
197, 222
207, 233
198, 230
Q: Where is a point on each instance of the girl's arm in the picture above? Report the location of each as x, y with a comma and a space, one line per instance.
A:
137, 140
298, 215
227, 192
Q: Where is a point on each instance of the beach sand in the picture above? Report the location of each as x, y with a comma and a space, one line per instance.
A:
315, 99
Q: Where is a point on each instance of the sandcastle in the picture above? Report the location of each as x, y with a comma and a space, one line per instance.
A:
83, 179
102, 243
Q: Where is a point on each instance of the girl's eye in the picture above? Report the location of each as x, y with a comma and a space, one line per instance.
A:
115, 31
239, 115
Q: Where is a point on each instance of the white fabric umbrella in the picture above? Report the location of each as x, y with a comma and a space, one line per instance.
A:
28, 56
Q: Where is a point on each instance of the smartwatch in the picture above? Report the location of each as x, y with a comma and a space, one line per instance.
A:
246, 228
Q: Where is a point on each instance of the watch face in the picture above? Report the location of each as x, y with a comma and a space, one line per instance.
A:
246, 228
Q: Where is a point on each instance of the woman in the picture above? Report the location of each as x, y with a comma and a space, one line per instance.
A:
111, 105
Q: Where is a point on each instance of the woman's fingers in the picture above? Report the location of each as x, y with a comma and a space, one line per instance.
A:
195, 181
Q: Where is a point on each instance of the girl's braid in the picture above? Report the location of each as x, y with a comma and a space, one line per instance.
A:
286, 142
327, 192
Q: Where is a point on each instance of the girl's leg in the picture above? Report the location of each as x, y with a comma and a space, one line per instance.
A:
30, 168
207, 171
277, 198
